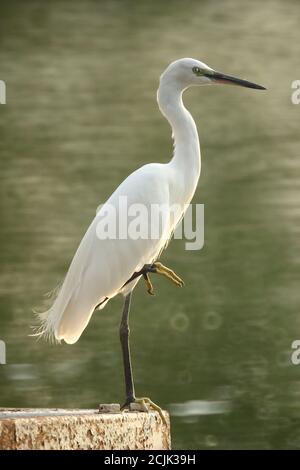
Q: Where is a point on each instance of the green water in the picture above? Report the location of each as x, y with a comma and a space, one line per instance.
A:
80, 115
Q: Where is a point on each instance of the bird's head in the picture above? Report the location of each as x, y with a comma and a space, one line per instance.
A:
191, 72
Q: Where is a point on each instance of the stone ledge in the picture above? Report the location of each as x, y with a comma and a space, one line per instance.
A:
61, 429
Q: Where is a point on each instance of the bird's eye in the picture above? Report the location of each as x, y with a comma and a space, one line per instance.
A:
196, 70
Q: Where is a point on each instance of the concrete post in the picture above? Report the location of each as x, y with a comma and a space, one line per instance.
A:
60, 429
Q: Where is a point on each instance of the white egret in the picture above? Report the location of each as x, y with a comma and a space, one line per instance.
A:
103, 268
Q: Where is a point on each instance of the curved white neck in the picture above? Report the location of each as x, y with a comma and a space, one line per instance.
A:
186, 156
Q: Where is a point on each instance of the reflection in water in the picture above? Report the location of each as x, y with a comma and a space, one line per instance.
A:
200, 407
20, 372
80, 116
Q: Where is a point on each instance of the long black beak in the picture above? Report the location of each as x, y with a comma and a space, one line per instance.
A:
227, 79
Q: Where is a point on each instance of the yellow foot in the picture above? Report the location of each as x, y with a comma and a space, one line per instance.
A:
149, 285
146, 405
159, 268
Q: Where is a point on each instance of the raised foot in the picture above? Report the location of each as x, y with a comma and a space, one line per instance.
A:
159, 268
149, 285
144, 405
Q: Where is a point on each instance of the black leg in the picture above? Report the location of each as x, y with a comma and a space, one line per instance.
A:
124, 338
145, 403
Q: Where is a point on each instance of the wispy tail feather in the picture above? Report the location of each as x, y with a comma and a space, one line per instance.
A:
49, 319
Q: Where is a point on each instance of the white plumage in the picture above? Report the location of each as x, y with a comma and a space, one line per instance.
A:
100, 268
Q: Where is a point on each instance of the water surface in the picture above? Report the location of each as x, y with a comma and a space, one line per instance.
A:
81, 114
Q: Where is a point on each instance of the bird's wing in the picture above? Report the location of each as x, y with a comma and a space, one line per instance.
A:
100, 266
